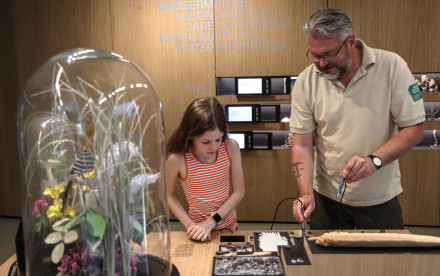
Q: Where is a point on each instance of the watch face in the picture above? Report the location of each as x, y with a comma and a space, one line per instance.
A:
377, 161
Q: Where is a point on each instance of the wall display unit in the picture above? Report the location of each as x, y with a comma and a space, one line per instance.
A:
253, 113
250, 140
428, 82
258, 113
243, 138
268, 140
254, 86
292, 81
432, 111
431, 140
269, 113
262, 140
285, 113
225, 86
280, 85
243, 113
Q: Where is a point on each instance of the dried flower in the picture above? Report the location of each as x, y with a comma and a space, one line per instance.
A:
55, 191
39, 205
56, 210
89, 264
60, 238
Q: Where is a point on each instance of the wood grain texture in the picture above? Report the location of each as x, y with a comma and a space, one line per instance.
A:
405, 27
45, 28
421, 190
139, 31
267, 41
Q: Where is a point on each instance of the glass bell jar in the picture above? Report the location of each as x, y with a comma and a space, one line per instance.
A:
92, 158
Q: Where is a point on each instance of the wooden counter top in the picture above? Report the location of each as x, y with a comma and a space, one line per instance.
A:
196, 258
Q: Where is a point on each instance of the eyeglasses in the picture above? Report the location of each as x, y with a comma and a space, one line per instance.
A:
317, 58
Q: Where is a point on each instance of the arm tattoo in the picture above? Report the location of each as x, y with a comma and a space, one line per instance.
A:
297, 168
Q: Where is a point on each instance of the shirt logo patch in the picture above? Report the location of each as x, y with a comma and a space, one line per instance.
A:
414, 90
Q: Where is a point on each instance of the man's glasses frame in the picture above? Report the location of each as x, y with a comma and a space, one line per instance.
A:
326, 57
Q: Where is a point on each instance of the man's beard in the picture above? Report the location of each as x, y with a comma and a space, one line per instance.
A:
341, 70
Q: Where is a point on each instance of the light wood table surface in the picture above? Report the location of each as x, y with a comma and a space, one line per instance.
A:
196, 259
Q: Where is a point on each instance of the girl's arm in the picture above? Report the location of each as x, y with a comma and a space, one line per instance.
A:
176, 164
237, 179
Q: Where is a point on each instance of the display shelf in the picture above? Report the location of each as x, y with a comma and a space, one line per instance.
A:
431, 140
254, 86
279, 114
428, 82
257, 113
281, 139
432, 111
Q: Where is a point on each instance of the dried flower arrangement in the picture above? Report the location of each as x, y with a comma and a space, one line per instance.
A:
92, 194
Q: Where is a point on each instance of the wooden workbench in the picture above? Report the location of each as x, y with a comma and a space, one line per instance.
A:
196, 258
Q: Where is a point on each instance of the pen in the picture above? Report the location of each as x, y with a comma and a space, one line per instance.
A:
303, 223
340, 187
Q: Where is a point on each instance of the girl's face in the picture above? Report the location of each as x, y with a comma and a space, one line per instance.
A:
207, 145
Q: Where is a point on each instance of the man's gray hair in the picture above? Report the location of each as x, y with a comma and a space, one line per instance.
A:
329, 22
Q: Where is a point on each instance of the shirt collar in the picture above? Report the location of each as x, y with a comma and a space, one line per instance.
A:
368, 56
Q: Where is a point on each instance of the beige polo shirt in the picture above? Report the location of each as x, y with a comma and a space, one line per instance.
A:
356, 120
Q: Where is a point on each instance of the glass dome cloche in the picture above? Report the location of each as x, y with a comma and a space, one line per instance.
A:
92, 164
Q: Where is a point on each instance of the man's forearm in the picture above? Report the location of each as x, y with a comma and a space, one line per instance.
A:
302, 162
401, 143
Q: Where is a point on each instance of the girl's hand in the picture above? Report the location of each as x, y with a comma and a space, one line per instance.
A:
201, 231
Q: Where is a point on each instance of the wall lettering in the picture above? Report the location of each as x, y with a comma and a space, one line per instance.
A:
228, 25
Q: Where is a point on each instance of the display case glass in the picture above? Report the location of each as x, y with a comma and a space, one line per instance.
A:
92, 158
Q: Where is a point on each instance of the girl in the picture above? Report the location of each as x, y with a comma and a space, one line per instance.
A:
207, 164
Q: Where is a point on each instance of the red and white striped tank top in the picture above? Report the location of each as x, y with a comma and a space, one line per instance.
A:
207, 187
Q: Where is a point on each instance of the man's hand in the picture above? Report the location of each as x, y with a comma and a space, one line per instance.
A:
309, 206
358, 168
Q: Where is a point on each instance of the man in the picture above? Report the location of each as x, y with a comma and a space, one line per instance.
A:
351, 101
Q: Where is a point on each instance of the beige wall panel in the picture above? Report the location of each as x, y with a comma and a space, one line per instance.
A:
407, 27
46, 28
262, 38
269, 179
420, 199
181, 69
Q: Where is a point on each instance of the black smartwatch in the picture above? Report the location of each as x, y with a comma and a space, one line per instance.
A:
216, 217
376, 161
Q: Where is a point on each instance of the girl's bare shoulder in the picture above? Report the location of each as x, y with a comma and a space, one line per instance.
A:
232, 145
176, 158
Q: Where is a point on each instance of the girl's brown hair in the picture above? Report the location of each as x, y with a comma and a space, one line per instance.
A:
204, 114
